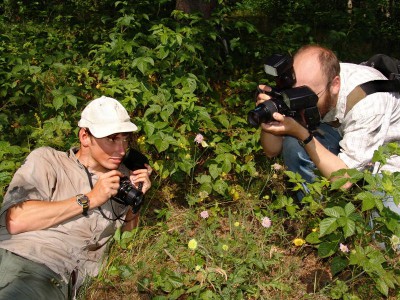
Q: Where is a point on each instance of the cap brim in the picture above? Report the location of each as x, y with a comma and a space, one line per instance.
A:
100, 131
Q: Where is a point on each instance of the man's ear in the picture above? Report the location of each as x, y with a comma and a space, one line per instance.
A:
335, 85
84, 137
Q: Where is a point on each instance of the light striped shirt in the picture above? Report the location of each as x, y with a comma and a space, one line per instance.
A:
372, 122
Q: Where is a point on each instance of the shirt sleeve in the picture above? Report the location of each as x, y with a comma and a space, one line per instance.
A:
365, 129
34, 180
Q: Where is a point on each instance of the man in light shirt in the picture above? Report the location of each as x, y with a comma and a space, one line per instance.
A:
372, 122
58, 213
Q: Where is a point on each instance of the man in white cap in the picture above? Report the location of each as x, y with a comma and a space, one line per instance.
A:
58, 213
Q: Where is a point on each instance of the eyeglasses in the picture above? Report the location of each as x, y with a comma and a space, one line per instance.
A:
114, 139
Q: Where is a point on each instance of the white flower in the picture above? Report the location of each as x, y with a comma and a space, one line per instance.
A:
395, 241
199, 138
277, 167
344, 248
266, 222
204, 214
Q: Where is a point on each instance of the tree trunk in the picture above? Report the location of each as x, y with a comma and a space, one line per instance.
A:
205, 7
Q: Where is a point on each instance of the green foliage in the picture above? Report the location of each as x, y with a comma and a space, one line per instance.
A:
180, 75
222, 254
350, 222
219, 261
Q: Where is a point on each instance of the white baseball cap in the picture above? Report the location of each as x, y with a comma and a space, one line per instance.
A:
105, 116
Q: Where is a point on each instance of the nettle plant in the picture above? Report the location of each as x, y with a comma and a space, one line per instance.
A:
353, 229
178, 87
172, 73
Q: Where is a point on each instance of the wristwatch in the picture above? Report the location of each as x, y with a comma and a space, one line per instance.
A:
307, 140
83, 201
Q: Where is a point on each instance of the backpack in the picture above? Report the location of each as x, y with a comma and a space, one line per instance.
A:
388, 66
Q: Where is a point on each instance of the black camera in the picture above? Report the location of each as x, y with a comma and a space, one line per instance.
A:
285, 99
281, 67
127, 193
288, 102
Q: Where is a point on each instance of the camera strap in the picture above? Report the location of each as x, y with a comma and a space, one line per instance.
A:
99, 207
368, 88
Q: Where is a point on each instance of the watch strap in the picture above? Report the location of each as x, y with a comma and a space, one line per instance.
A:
307, 140
83, 201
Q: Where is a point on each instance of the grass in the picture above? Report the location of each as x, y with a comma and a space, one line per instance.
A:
236, 256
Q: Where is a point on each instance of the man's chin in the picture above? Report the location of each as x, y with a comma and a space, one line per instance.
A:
112, 166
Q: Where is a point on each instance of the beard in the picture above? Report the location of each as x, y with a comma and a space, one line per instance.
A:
326, 104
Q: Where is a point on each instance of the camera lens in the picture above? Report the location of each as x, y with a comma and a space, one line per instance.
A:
262, 113
133, 197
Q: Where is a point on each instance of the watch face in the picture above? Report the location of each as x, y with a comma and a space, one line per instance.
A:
83, 201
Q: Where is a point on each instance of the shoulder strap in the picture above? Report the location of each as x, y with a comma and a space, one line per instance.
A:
368, 88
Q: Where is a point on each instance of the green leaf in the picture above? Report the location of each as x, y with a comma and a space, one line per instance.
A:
161, 144
349, 209
167, 112
223, 119
72, 100
203, 179
161, 125
153, 109
207, 295
338, 264
125, 271
382, 286
220, 187
349, 228
186, 166
7, 165
149, 129
142, 63
368, 201
327, 226
207, 187
215, 171
326, 249
291, 209
162, 53
58, 102
338, 183
335, 212
117, 235
312, 238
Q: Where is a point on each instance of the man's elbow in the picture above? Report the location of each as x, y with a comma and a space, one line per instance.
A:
14, 225
271, 154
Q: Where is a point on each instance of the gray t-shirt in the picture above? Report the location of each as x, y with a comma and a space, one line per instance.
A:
76, 244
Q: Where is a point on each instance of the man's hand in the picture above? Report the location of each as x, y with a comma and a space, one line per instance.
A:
262, 97
284, 125
106, 187
142, 176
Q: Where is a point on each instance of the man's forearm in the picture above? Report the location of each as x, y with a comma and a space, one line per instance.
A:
36, 214
325, 161
272, 144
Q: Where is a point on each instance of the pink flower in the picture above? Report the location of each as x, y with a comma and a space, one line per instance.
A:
204, 214
266, 222
199, 138
277, 167
343, 248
